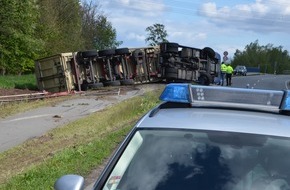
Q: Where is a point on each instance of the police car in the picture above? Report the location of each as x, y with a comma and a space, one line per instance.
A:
203, 137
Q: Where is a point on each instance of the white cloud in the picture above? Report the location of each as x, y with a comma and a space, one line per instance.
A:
257, 16
137, 37
197, 40
209, 9
260, 8
188, 35
137, 7
125, 2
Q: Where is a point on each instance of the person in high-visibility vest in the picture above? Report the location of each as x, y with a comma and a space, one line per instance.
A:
223, 73
229, 73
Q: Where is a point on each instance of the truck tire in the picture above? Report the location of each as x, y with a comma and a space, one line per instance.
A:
84, 87
87, 54
112, 83
122, 51
204, 79
107, 52
79, 58
207, 51
127, 82
95, 85
169, 47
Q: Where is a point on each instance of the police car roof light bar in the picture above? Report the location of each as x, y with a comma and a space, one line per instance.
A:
285, 103
213, 95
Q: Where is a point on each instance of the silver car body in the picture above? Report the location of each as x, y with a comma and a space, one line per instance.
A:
204, 137
219, 120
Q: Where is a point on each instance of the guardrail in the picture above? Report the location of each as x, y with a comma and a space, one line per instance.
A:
286, 72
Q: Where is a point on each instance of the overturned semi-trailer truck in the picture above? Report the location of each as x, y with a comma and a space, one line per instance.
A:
83, 70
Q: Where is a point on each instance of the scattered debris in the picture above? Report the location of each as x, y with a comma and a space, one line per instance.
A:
57, 116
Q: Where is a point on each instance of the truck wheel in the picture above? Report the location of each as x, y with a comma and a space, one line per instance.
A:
204, 79
207, 51
79, 58
95, 85
107, 52
169, 47
84, 86
87, 54
122, 51
127, 82
112, 83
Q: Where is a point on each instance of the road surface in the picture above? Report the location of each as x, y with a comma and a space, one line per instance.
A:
18, 128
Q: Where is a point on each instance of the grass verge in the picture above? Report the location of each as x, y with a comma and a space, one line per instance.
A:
76, 148
18, 81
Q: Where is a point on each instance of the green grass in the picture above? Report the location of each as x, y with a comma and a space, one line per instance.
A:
77, 148
18, 81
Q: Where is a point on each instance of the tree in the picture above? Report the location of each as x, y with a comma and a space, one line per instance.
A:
31, 29
19, 45
60, 26
97, 32
156, 34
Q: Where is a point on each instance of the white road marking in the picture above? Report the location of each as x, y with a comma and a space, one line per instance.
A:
26, 118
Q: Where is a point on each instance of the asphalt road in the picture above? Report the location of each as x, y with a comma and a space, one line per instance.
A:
18, 128
267, 81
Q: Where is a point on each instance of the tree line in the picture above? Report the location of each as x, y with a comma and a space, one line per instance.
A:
31, 29
269, 59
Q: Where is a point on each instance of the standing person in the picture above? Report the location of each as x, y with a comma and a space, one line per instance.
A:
223, 72
229, 73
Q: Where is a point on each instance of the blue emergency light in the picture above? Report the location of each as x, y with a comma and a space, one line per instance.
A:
285, 105
176, 93
213, 95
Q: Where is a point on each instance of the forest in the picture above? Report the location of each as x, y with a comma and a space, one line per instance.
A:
32, 29
269, 59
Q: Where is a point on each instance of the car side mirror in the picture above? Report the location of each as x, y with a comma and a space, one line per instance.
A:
69, 182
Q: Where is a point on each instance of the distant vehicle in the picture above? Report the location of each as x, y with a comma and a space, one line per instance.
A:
203, 137
240, 70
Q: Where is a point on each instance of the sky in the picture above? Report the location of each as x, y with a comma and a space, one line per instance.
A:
223, 25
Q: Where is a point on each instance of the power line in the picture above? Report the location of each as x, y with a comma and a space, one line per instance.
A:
171, 8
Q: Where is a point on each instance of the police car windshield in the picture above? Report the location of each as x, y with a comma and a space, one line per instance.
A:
187, 159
